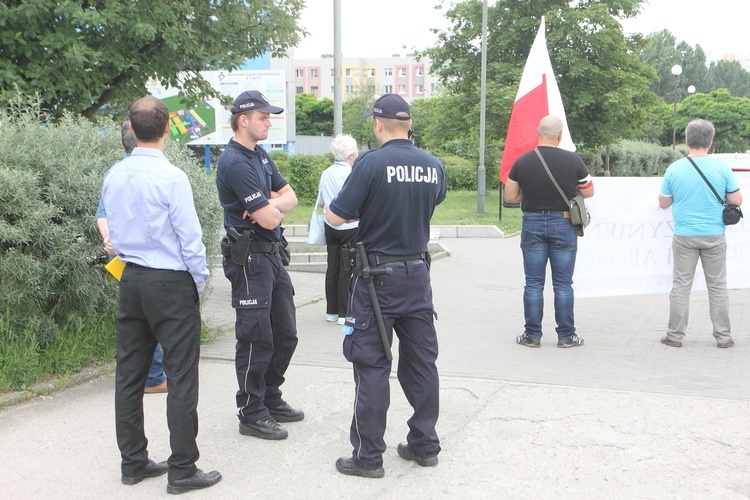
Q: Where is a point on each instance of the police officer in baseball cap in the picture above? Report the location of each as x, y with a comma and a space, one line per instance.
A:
255, 198
393, 192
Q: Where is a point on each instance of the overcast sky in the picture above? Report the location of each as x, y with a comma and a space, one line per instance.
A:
384, 27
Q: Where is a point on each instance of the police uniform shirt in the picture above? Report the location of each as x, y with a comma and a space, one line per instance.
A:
539, 193
393, 191
245, 179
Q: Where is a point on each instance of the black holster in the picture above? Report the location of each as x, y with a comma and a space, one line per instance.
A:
238, 245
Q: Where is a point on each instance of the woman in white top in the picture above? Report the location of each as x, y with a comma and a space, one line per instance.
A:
338, 239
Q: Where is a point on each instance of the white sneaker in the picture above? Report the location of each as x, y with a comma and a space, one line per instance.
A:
341, 320
331, 317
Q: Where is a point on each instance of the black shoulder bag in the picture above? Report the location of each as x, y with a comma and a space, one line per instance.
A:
732, 213
579, 215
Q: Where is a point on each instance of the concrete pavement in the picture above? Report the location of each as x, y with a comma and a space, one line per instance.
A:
623, 416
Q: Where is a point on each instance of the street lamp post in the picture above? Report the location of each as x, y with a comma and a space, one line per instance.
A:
691, 91
676, 71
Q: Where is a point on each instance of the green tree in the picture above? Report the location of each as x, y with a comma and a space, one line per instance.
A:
81, 55
313, 116
732, 76
353, 123
603, 84
662, 52
729, 114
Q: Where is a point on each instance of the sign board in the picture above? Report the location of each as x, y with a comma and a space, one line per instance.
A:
208, 122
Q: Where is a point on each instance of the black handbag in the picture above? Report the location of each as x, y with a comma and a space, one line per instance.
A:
732, 213
579, 214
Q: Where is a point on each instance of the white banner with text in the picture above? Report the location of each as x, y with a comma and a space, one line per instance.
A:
627, 248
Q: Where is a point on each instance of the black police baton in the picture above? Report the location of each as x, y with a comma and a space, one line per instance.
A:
366, 273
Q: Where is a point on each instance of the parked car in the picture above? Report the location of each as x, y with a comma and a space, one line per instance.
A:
738, 162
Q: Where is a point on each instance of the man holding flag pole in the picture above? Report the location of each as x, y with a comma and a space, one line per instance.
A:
537, 97
531, 178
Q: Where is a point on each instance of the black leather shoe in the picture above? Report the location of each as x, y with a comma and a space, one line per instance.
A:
195, 482
152, 469
285, 413
405, 452
265, 428
347, 465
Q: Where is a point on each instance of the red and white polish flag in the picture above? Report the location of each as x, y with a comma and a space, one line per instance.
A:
537, 97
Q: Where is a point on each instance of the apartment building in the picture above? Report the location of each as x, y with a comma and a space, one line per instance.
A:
402, 75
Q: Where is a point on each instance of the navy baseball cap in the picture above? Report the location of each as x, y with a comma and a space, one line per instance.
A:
390, 106
252, 100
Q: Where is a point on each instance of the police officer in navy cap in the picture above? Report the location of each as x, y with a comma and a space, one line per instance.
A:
393, 192
255, 198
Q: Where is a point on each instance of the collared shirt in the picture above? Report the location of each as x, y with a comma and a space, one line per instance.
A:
100, 212
331, 181
244, 180
151, 217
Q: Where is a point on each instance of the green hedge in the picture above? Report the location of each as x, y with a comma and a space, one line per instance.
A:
52, 279
303, 174
632, 159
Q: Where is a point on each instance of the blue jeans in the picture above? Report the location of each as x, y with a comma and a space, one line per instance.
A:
548, 236
156, 371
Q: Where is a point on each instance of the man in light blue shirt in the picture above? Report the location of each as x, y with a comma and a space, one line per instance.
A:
154, 229
698, 232
156, 381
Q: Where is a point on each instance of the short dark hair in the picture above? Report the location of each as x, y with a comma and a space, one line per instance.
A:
129, 140
148, 118
699, 134
234, 120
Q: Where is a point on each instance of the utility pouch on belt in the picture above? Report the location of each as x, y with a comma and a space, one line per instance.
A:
239, 245
347, 258
225, 247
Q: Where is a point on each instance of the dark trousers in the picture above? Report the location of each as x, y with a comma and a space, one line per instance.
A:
337, 280
405, 299
157, 306
266, 331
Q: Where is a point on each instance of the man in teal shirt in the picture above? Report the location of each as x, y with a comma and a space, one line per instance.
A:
698, 232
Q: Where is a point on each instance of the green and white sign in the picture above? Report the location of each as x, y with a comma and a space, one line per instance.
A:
208, 123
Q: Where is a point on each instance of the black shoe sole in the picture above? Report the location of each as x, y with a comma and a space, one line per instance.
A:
406, 453
283, 418
368, 473
179, 490
249, 431
131, 480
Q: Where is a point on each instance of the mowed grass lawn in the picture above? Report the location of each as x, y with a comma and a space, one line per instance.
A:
459, 208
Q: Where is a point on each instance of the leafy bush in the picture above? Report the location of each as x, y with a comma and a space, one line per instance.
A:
304, 175
281, 160
52, 279
593, 160
469, 150
460, 174
633, 159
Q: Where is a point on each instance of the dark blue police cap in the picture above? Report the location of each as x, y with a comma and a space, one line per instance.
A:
252, 100
390, 106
